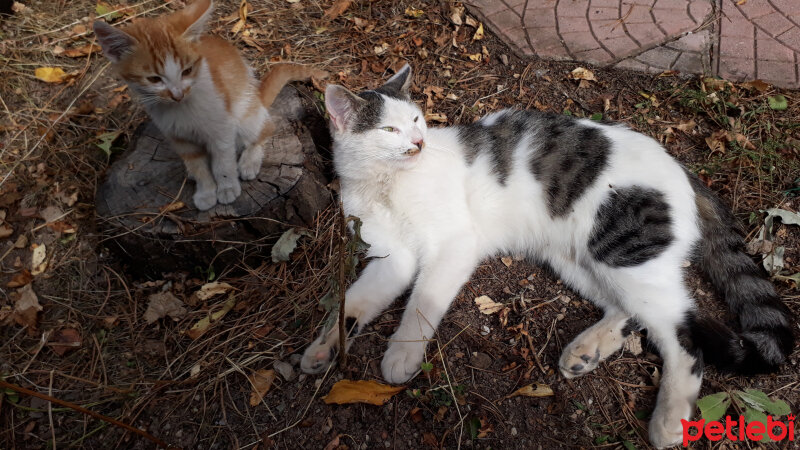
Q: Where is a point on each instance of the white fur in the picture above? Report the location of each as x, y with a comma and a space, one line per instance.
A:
431, 218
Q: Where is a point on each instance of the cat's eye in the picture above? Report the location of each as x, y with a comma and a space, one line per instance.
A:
389, 129
187, 71
154, 79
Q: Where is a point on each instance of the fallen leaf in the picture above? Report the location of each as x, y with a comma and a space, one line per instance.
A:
286, 244
652, 97
213, 289
687, 126
20, 8
104, 10
336, 10
633, 344
533, 390
26, 308
22, 241
334, 443
50, 74
65, 340
415, 13
758, 85
488, 306
38, 263
778, 102
475, 57
284, 369
471, 22
261, 382
456, 13
51, 214
362, 391
381, 49
239, 26
106, 140
436, 117
170, 207
292, 1
582, 73
478, 33
79, 52
199, 328
716, 142
507, 261
163, 304
20, 279
6, 230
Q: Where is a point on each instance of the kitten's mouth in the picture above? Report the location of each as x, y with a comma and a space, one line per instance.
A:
412, 151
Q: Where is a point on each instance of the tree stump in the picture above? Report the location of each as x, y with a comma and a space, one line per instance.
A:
136, 205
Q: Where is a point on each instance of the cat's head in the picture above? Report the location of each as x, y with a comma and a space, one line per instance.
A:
158, 57
380, 127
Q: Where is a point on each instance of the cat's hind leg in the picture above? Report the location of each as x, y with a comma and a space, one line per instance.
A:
197, 168
384, 279
595, 344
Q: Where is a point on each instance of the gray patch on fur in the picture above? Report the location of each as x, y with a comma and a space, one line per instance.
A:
632, 226
369, 113
569, 158
498, 139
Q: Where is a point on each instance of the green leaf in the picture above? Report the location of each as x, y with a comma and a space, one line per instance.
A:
752, 415
601, 439
474, 426
778, 103
427, 367
106, 139
641, 414
597, 116
759, 401
712, 407
286, 244
104, 8
628, 445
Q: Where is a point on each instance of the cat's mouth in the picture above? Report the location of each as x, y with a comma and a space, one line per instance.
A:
412, 151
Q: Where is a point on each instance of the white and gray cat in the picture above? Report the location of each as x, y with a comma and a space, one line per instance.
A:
606, 207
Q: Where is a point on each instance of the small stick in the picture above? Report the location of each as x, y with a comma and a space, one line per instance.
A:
144, 434
342, 258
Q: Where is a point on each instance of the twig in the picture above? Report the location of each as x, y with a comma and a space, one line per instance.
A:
50, 412
75, 407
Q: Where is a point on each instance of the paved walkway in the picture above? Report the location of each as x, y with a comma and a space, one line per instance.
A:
757, 39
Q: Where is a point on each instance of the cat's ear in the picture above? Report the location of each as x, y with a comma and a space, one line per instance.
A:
398, 85
115, 42
342, 106
195, 17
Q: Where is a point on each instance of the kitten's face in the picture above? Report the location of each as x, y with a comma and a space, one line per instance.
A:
158, 57
380, 126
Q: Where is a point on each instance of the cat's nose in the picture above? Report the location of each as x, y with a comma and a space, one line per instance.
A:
176, 94
419, 143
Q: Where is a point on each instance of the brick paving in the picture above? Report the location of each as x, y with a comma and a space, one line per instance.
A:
757, 39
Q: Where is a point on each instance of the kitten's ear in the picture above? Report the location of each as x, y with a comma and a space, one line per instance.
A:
398, 85
195, 17
115, 42
342, 106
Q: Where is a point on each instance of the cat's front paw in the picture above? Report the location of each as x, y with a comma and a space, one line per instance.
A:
228, 191
402, 361
205, 200
665, 427
319, 355
250, 164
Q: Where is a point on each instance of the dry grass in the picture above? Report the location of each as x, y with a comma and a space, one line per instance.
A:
194, 392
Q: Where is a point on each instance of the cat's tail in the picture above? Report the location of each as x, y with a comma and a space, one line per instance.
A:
765, 339
283, 73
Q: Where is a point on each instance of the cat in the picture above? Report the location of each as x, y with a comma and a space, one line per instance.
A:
604, 206
202, 95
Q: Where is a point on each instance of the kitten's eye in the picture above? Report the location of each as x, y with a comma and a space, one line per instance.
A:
187, 71
416, 118
154, 79
389, 129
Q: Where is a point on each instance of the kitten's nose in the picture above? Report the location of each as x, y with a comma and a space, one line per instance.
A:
419, 143
176, 94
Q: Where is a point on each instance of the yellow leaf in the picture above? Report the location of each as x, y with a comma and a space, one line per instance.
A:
212, 289
487, 306
507, 260
533, 390
436, 117
415, 13
478, 33
204, 324
261, 382
50, 74
582, 73
371, 392
38, 263
475, 57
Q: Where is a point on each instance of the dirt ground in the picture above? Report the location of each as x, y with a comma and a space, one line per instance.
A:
90, 344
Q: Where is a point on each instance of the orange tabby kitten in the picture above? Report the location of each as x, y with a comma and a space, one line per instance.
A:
201, 94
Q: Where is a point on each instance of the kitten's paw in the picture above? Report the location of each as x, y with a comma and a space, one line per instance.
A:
250, 165
593, 345
578, 361
665, 426
319, 356
204, 200
402, 361
228, 191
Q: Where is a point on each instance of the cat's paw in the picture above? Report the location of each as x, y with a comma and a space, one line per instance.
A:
577, 362
402, 361
250, 164
228, 191
319, 356
205, 200
593, 345
665, 427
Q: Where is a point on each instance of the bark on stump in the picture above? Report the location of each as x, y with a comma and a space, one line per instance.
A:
289, 190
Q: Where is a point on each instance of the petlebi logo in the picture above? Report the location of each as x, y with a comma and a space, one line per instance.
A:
759, 420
